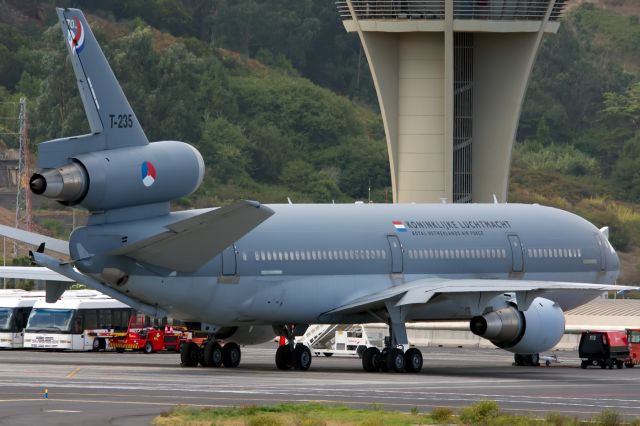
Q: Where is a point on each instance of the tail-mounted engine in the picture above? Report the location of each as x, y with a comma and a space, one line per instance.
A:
124, 177
535, 330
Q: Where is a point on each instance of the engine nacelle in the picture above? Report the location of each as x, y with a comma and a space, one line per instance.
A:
535, 330
124, 177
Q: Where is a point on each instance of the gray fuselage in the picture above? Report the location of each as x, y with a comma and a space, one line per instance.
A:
306, 260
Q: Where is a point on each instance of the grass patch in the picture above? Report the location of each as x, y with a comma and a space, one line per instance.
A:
290, 414
481, 413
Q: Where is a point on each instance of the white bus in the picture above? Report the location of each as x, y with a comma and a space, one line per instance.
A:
81, 320
15, 307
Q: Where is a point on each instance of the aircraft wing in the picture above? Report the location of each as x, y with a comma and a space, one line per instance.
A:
53, 244
421, 291
188, 244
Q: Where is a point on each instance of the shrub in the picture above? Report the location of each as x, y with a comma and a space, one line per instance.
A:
441, 414
557, 419
482, 412
608, 418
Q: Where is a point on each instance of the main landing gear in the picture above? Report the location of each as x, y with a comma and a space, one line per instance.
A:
529, 360
291, 354
212, 353
393, 357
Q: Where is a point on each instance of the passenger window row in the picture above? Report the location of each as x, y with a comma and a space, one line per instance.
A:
554, 253
452, 254
317, 255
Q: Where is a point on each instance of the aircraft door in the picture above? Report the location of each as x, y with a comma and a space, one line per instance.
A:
396, 254
229, 260
517, 257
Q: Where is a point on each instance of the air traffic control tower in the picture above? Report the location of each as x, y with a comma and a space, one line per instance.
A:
451, 76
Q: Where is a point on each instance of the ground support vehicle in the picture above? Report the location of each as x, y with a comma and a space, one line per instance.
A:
550, 359
201, 348
81, 320
633, 337
139, 337
340, 340
603, 349
15, 307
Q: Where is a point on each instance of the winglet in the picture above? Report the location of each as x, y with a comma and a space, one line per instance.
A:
105, 104
605, 231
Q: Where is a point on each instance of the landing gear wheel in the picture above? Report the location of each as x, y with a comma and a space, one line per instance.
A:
148, 348
518, 360
283, 357
212, 354
371, 359
120, 350
395, 360
189, 355
96, 345
301, 357
534, 360
619, 364
584, 364
327, 354
629, 364
413, 360
360, 350
382, 360
231, 355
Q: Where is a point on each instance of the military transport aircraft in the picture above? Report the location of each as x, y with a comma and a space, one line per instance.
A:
248, 272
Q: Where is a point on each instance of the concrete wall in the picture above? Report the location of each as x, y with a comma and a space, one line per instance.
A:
411, 62
502, 65
409, 74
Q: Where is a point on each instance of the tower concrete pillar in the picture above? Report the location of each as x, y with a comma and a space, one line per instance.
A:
450, 76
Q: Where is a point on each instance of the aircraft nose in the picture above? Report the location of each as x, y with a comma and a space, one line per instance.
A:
614, 260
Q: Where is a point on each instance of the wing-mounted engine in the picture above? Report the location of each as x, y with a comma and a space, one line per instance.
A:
535, 330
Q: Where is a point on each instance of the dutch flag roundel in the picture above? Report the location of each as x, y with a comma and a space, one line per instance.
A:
148, 173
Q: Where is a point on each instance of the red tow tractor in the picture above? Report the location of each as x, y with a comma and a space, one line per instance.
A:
633, 337
139, 337
610, 348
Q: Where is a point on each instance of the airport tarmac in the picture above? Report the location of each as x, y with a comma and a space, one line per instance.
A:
133, 388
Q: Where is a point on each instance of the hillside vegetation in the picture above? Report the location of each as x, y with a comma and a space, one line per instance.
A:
278, 98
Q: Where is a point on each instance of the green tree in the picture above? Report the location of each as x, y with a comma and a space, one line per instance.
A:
625, 107
224, 148
626, 172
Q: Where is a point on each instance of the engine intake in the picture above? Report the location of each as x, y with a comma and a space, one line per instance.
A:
535, 330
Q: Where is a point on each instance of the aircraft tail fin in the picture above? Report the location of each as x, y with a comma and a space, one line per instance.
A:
105, 104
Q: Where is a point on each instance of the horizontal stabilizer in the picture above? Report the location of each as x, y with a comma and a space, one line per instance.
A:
53, 244
37, 273
188, 244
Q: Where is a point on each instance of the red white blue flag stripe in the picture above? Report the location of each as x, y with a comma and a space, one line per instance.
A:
399, 226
